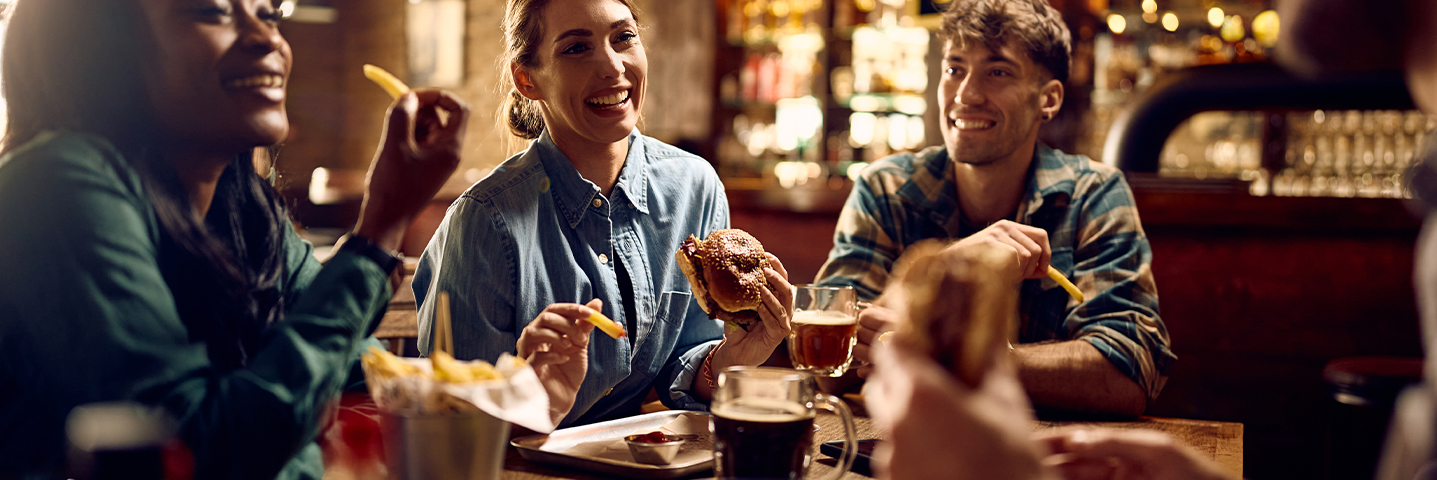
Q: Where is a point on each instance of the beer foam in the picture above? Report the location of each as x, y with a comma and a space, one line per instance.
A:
765, 410
821, 317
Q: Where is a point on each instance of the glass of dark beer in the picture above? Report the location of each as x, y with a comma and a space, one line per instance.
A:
763, 423
825, 327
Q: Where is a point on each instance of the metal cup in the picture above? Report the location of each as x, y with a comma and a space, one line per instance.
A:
467, 446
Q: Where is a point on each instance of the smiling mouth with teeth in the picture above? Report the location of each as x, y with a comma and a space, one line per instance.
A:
609, 101
962, 124
268, 81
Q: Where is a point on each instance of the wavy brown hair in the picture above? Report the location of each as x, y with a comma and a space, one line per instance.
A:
1035, 24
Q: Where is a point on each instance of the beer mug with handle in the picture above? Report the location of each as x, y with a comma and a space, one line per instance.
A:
825, 327
763, 424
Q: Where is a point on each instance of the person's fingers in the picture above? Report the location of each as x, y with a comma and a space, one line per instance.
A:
872, 322
399, 131
444, 99
1055, 442
1082, 469
1140, 447
1037, 240
776, 324
570, 310
863, 371
782, 290
561, 324
539, 359
777, 265
1031, 255
451, 131
1021, 254
862, 353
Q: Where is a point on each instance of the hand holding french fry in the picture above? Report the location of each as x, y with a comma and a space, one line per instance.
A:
1028, 244
420, 147
556, 344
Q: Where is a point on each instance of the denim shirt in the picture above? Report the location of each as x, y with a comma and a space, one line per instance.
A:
534, 232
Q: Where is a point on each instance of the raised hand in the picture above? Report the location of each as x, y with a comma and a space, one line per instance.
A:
755, 346
420, 148
1029, 245
873, 321
939, 428
556, 344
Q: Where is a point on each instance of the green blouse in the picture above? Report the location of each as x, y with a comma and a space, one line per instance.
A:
85, 316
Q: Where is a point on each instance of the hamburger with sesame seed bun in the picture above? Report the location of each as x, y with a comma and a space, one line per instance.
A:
726, 274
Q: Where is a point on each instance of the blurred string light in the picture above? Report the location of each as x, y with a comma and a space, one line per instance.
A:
1232, 29
1215, 16
1150, 11
779, 9
1265, 28
1170, 22
1117, 23
286, 8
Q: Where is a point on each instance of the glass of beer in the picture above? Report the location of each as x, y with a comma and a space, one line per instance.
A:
762, 423
825, 327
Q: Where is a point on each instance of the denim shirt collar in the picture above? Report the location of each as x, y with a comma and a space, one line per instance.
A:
573, 194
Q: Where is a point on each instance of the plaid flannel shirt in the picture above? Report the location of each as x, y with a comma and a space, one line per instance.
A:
1093, 228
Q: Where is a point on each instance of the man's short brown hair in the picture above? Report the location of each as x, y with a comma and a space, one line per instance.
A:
1036, 26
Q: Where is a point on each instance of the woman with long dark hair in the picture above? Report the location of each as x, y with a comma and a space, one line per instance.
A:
151, 263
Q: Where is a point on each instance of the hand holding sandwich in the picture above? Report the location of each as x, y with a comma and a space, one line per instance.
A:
556, 344
754, 346
733, 279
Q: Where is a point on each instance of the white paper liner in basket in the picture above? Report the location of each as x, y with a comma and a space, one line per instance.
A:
518, 397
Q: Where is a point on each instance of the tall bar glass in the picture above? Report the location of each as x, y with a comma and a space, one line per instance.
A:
825, 328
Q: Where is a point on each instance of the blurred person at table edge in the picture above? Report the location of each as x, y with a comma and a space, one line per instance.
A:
151, 262
1001, 78
1396, 36
592, 209
922, 406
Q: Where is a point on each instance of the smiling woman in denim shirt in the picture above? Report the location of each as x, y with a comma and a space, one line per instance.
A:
592, 210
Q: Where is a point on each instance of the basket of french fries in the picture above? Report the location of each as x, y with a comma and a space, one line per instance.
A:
445, 418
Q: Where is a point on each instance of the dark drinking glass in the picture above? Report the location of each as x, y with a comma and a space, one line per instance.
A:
763, 423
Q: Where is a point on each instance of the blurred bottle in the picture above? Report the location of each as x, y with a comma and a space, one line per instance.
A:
124, 440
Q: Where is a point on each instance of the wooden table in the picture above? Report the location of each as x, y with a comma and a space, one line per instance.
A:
401, 321
1220, 441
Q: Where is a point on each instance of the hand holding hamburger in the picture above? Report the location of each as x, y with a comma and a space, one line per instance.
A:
733, 279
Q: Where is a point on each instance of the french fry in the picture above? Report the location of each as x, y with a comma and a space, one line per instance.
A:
386, 365
447, 369
608, 326
385, 80
1057, 276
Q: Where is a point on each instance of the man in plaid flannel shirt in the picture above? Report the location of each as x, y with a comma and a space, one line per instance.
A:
1002, 77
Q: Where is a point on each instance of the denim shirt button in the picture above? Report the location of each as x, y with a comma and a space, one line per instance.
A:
603, 258
598, 202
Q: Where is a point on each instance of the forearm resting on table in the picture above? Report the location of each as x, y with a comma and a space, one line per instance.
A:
1073, 376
